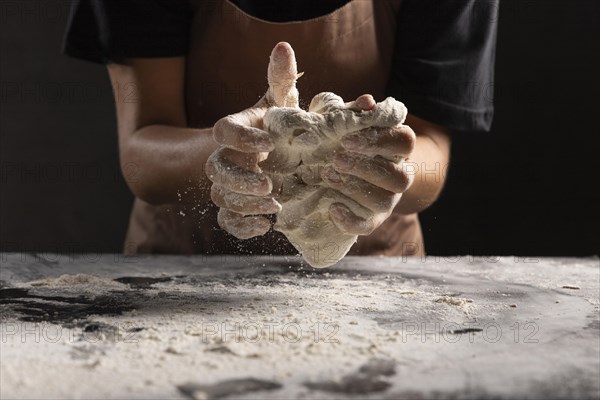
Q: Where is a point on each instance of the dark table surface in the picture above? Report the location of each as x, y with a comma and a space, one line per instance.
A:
108, 326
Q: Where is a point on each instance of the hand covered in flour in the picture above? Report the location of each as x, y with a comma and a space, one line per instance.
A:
240, 188
370, 170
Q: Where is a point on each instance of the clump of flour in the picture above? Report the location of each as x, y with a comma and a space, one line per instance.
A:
465, 305
79, 282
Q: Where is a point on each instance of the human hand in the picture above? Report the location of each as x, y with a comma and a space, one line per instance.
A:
240, 188
370, 170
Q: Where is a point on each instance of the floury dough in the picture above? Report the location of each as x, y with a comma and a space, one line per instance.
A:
305, 142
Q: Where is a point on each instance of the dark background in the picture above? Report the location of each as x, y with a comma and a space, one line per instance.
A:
529, 187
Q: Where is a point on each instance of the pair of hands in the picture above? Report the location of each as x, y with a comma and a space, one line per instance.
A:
369, 170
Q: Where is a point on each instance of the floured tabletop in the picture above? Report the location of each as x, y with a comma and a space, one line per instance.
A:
177, 327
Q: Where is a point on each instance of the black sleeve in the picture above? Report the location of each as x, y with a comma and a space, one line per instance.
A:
105, 31
443, 67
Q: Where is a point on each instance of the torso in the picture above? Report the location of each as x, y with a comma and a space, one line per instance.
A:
348, 52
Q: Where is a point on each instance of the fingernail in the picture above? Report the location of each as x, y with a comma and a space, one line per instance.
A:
366, 102
354, 142
344, 161
338, 212
262, 186
331, 175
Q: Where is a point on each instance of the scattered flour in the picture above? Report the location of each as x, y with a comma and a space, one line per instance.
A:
464, 304
79, 280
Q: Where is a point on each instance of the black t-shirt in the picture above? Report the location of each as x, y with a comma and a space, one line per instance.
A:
443, 66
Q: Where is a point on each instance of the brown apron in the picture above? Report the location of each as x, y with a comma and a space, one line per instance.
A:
348, 52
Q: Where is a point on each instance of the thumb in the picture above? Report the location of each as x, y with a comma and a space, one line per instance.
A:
282, 75
366, 102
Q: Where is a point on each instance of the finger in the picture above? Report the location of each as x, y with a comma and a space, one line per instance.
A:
282, 75
228, 157
222, 171
239, 131
376, 170
349, 223
362, 103
243, 227
242, 203
368, 195
247, 161
391, 143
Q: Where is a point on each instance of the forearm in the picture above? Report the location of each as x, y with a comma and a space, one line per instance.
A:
429, 163
165, 164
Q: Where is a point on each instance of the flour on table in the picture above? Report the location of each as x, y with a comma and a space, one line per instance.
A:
464, 304
80, 282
